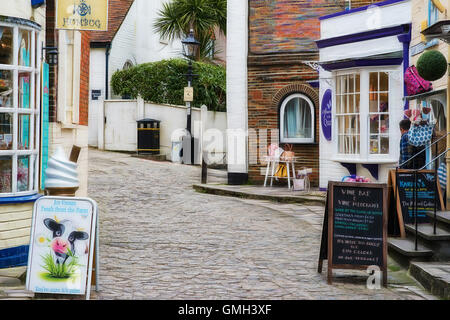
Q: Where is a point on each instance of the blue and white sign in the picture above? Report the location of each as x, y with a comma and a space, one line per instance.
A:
61, 246
326, 114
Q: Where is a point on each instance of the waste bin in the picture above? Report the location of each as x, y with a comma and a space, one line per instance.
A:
148, 136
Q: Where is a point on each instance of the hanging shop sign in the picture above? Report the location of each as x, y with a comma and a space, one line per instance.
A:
82, 15
62, 245
325, 114
354, 234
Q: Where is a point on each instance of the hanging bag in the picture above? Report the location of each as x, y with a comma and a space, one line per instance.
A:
415, 84
420, 134
281, 171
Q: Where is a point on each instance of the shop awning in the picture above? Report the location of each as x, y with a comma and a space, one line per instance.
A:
438, 30
387, 59
425, 94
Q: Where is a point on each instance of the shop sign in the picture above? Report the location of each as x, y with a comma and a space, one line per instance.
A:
326, 114
82, 15
62, 245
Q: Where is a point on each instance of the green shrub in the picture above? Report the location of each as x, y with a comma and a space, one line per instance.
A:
432, 65
163, 82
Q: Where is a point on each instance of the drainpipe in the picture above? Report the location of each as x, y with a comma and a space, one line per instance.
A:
405, 39
107, 52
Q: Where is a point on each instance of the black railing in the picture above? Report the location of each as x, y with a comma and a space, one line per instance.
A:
436, 181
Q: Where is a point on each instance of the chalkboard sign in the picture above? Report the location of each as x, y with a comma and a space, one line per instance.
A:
355, 227
427, 185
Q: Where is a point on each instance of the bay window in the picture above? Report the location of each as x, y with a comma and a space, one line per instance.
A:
363, 114
19, 107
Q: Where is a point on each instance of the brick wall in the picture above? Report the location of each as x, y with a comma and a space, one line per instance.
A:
51, 40
84, 78
281, 36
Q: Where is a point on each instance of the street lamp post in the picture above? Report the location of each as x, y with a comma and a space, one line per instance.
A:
190, 46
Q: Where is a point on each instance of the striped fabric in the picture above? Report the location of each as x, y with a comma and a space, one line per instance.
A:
442, 174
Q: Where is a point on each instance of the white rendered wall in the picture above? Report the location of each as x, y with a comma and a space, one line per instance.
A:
120, 130
22, 9
237, 95
149, 47
96, 82
123, 47
375, 17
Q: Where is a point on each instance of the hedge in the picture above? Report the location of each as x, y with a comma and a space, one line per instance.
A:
163, 82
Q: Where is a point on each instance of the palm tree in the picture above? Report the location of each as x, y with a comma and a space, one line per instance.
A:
177, 17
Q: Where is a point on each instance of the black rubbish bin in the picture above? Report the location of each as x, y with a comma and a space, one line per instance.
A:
148, 136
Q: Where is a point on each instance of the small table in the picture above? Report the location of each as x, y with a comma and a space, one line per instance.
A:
273, 162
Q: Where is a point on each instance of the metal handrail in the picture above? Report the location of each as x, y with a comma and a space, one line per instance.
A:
415, 171
425, 149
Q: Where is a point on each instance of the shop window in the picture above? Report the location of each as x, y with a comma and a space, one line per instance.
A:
433, 13
6, 45
347, 112
379, 113
19, 109
362, 113
297, 119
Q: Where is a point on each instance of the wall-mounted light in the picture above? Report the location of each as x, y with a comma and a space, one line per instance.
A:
51, 55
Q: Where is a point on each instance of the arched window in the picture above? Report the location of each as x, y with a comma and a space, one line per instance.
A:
127, 65
297, 119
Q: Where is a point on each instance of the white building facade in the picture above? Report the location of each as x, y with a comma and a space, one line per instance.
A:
364, 53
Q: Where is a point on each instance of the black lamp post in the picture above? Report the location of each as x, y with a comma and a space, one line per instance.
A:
190, 47
51, 55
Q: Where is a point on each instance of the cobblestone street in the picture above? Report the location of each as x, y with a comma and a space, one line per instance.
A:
159, 239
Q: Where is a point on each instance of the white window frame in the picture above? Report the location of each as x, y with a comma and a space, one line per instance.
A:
33, 111
284, 139
364, 156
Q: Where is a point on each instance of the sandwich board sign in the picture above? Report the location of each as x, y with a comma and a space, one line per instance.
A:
354, 234
62, 246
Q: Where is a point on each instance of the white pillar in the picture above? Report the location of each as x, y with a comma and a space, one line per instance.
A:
237, 113
101, 124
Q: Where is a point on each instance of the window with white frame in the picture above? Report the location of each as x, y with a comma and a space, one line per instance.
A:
347, 113
363, 110
378, 113
297, 119
19, 108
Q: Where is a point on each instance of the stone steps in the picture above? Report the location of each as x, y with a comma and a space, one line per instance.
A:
426, 231
441, 216
434, 276
406, 247
429, 264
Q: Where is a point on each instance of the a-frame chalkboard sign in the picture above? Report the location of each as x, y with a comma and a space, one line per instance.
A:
402, 182
354, 234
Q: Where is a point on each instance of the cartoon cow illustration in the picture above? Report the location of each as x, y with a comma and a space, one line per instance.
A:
64, 238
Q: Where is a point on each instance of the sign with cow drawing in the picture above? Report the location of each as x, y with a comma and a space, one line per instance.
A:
61, 246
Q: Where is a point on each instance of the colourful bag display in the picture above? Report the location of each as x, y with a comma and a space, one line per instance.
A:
281, 171
420, 134
415, 84
288, 154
